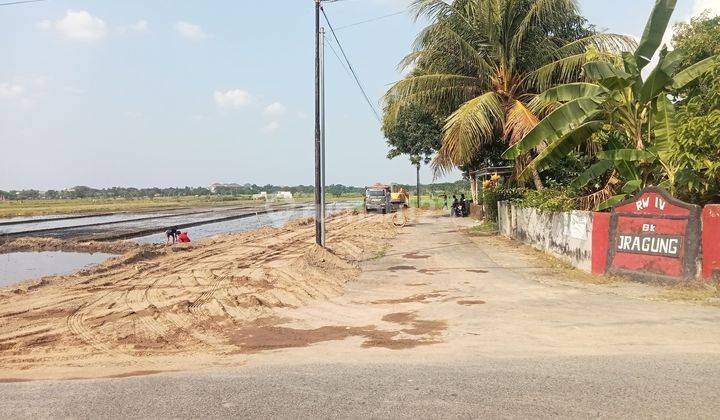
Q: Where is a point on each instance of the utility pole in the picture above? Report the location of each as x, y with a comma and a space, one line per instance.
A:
417, 168
318, 180
322, 136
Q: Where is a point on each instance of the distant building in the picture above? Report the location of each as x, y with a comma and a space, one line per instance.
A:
215, 186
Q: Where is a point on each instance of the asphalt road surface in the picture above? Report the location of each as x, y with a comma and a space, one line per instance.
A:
683, 386
521, 340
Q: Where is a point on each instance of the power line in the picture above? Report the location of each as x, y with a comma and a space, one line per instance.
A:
20, 2
342, 63
370, 20
350, 66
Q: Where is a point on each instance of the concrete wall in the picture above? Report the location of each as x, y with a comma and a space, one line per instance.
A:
565, 235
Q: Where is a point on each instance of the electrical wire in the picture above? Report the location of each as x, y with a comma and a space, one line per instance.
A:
20, 2
339, 28
342, 63
350, 66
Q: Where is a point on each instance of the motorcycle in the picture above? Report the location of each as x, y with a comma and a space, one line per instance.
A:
460, 209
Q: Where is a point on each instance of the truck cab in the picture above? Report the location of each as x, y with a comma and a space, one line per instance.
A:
376, 199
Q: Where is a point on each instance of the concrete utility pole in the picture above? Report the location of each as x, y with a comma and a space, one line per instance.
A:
318, 164
322, 136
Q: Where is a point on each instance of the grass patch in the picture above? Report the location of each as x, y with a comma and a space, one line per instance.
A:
382, 252
705, 295
486, 228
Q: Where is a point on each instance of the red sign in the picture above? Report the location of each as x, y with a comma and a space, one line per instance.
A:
654, 235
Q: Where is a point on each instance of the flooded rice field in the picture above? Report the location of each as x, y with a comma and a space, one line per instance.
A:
254, 221
31, 226
143, 228
132, 225
20, 266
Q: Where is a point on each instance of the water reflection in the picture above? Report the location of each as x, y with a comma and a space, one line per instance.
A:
19, 266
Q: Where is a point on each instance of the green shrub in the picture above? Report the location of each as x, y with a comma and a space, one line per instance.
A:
548, 199
491, 196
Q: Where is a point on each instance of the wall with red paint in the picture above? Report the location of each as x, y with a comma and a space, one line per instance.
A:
549, 232
600, 240
710, 240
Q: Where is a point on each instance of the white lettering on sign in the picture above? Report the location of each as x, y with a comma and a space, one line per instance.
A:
650, 245
648, 227
645, 202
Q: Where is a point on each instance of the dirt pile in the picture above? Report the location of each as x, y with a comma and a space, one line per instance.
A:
52, 244
156, 300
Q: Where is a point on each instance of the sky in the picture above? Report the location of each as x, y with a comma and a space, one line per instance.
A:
173, 93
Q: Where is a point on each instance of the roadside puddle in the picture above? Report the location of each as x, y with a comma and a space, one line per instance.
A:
415, 256
429, 271
470, 302
16, 267
401, 268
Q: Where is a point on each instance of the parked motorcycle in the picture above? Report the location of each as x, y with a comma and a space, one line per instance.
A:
460, 209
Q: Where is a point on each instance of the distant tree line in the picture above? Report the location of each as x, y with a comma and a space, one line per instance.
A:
246, 190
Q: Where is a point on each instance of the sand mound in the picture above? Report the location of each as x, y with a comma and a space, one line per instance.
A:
156, 300
52, 244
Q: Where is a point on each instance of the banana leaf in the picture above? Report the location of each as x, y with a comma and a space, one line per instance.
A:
610, 202
689, 74
593, 172
571, 91
632, 186
561, 147
661, 76
557, 124
664, 128
631, 67
627, 155
654, 31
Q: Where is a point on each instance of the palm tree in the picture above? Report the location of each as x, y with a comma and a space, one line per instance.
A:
480, 62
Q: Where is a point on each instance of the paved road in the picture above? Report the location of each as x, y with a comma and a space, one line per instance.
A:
568, 387
520, 340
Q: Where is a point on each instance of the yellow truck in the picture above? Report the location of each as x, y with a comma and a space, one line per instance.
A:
399, 199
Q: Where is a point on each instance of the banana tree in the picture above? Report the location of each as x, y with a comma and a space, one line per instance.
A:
618, 104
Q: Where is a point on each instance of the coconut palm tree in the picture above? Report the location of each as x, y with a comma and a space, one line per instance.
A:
480, 62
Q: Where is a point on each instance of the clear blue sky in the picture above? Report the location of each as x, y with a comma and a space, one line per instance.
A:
174, 93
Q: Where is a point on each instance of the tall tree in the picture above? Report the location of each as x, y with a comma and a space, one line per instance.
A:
484, 60
414, 132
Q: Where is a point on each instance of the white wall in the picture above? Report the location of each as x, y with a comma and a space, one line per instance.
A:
565, 235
